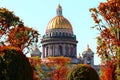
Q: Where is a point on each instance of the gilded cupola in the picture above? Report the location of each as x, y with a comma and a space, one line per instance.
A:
59, 21
88, 51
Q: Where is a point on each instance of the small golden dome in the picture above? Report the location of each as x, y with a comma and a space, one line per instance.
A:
59, 22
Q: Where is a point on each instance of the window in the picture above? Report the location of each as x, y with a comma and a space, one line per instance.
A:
60, 51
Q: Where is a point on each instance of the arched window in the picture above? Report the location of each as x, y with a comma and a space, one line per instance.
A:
56, 34
60, 34
72, 52
66, 51
69, 34
60, 51
50, 34
88, 60
66, 34
63, 34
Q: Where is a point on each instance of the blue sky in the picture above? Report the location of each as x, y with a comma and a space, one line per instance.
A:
37, 14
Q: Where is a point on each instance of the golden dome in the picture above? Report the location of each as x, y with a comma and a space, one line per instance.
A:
59, 22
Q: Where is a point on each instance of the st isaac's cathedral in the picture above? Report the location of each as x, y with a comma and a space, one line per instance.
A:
60, 40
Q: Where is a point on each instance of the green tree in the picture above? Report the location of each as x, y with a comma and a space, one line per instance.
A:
14, 33
82, 72
14, 65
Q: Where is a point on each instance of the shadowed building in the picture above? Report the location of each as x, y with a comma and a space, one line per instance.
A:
59, 39
88, 58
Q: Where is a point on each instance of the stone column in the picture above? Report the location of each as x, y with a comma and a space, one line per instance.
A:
53, 50
75, 50
50, 51
56, 50
43, 54
64, 50
46, 51
69, 50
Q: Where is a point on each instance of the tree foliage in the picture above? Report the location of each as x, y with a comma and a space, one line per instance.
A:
37, 67
14, 65
107, 19
52, 68
14, 33
108, 71
82, 72
61, 67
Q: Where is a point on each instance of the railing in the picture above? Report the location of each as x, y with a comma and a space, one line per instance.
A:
67, 37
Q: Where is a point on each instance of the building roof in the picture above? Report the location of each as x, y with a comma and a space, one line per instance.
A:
88, 51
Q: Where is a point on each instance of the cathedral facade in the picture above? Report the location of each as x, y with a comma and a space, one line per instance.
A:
59, 39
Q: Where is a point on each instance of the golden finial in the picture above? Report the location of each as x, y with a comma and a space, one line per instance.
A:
88, 48
59, 6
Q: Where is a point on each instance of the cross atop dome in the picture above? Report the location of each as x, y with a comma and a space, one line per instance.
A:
59, 10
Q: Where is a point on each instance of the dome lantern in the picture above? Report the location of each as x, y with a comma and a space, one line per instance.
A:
59, 10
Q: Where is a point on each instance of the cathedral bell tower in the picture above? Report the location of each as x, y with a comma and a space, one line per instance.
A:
88, 56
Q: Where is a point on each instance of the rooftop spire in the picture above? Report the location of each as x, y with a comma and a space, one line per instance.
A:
59, 10
88, 48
